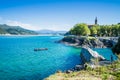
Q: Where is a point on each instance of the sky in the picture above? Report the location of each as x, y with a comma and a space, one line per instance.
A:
58, 14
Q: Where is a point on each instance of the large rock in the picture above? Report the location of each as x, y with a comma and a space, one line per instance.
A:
87, 54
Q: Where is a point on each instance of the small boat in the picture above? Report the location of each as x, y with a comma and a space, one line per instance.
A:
40, 49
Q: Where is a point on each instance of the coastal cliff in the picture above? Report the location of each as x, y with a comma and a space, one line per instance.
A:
92, 42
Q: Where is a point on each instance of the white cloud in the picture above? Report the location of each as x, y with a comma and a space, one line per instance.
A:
55, 27
24, 25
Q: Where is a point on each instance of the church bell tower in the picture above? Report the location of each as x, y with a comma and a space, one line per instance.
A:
96, 21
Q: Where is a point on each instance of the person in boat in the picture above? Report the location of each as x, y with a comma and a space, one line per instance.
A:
40, 49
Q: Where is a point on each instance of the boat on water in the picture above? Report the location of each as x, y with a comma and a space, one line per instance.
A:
40, 49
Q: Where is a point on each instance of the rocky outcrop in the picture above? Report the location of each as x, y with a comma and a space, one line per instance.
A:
94, 54
87, 42
87, 54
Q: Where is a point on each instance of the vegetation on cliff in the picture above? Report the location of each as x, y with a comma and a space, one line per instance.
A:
82, 29
93, 30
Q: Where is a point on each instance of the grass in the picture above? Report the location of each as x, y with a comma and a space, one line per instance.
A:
109, 72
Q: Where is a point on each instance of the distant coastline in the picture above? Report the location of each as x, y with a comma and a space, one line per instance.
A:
30, 35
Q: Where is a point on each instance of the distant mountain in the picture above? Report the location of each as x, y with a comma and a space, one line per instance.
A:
15, 30
46, 31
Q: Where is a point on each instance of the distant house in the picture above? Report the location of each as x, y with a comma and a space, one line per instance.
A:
96, 22
90, 26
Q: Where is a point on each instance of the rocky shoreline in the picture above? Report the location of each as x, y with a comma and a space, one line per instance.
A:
91, 42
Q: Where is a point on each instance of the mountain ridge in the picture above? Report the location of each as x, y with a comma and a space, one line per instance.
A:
15, 30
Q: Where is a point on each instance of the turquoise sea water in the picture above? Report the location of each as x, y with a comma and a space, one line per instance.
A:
106, 53
18, 61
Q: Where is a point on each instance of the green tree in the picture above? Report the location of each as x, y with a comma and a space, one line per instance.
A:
100, 30
80, 29
93, 30
116, 30
109, 30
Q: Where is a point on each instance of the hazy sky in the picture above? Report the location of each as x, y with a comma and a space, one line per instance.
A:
58, 14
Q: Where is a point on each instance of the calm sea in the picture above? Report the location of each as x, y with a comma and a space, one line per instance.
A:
18, 61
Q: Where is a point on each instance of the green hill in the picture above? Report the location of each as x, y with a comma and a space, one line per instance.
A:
15, 30
2, 31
